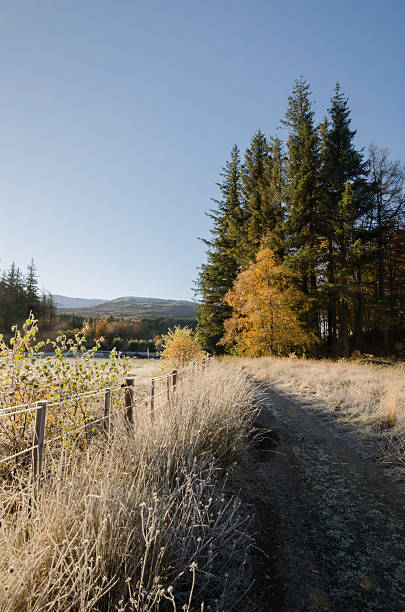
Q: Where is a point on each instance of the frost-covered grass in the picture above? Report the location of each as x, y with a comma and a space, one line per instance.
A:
368, 397
143, 521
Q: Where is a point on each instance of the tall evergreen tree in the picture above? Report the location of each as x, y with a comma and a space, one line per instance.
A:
335, 220
262, 190
341, 163
302, 193
12, 304
273, 211
254, 190
348, 254
32, 300
19, 296
217, 275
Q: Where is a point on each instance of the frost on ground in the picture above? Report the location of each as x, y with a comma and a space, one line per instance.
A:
336, 522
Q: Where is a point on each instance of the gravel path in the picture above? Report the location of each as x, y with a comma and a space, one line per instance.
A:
331, 524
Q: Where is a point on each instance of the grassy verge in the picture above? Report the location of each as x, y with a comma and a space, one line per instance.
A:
370, 398
144, 522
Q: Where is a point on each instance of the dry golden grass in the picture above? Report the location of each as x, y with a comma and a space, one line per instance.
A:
369, 397
145, 367
144, 522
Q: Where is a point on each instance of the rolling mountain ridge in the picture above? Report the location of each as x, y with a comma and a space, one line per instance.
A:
129, 307
63, 301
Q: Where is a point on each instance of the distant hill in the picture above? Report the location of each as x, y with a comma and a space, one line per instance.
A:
135, 307
62, 301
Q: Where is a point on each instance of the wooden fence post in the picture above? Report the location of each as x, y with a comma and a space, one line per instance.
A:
168, 386
174, 374
129, 399
152, 397
39, 437
107, 406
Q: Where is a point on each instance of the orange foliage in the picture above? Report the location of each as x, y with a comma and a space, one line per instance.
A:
264, 304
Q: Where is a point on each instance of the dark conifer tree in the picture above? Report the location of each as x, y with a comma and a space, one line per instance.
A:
217, 275
302, 194
341, 163
254, 189
19, 296
348, 252
32, 300
273, 211
335, 220
14, 305
262, 190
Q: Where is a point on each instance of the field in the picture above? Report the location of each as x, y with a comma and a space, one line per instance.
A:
140, 367
145, 367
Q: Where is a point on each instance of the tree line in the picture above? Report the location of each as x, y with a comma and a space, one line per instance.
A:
138, 335
20, 295
320, 226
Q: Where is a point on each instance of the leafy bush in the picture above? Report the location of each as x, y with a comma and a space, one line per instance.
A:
28, 375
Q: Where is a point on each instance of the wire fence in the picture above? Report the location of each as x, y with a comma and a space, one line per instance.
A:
27, 429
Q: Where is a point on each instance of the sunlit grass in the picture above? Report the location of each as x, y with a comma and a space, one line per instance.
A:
369, 397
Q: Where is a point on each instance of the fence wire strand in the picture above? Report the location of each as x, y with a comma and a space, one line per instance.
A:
7, 414
26, 450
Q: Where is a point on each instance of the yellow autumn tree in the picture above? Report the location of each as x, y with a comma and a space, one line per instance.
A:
264, 302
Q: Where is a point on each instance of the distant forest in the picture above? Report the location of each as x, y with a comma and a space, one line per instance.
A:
309, 231
20, 295
123, 334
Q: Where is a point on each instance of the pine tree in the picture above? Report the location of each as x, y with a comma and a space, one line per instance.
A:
263, 191
254, 191
349, 252
32, 300
335, 221
216, 276
273, 212
13, 307
341, 163
302, 194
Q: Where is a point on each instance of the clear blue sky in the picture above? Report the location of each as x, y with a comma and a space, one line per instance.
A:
116, 117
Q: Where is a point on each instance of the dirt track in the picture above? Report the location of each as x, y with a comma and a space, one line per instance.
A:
331, 523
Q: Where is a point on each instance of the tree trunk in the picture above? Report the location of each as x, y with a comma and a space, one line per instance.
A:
344, 328
358, 316
331, 341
